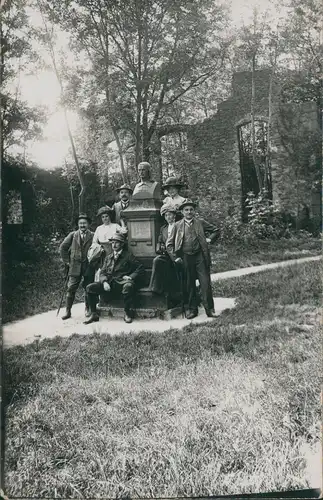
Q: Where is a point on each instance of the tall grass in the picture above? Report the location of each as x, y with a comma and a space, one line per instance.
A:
221, 408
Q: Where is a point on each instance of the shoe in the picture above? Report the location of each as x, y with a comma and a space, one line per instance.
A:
191, 314
94, 317
67, 315
211, 313
127, 318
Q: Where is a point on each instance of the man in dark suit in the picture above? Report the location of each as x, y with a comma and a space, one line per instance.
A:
187, 246
73, 252
125, 192
164, 279
119, 274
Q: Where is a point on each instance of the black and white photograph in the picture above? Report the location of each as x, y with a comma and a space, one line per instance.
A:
161, 174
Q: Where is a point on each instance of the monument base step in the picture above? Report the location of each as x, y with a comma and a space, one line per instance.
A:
107, 311
144, 300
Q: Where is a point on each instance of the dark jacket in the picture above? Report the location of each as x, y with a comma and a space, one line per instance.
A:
125, 265
162, 238
73, 252
117, 210
202, 228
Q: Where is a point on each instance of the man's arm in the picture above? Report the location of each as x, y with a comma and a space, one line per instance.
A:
170, 243
211, 231
64, 248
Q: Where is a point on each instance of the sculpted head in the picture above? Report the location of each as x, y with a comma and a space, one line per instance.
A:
144, 171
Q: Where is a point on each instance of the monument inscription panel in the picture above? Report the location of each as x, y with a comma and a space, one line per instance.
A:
140, 230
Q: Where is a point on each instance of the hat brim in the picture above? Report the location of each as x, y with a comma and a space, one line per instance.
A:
117, 239
128, 189
85, 218
187, 204
167, 186
105, 212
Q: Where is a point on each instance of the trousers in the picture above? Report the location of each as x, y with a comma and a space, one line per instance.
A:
194, 268
127, 290
164, 277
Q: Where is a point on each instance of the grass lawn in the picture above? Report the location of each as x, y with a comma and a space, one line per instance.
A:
227, 257
231, 406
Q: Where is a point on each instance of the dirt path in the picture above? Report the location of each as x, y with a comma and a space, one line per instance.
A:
48, 325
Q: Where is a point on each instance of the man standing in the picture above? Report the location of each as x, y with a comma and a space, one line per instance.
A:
187, 245
119, 274
73, 252
125, 192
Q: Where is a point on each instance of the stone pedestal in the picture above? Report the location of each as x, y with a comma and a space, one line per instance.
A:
144, 221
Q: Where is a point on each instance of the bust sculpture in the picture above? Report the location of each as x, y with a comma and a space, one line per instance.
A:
146, 188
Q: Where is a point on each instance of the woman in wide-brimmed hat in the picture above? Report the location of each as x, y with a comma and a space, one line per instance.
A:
164, 279
102, 235
172, 186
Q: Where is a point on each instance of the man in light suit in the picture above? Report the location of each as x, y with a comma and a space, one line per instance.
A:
187, 245
73, 251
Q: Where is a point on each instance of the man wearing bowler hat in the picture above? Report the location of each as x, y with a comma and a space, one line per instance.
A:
187, 245
73, 251
119, 274
125, 193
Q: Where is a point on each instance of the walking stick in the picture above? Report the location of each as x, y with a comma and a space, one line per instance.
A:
63, 293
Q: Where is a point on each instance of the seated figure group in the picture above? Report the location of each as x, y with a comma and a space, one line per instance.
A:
104, 265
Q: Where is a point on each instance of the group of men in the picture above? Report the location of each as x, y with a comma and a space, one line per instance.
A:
183, 256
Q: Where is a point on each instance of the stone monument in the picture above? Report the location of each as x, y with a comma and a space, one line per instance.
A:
144, 221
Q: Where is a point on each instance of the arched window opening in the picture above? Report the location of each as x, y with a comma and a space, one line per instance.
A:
249, 179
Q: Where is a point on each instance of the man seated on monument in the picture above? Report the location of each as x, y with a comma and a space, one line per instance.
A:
146, 187
172, 186
119, 275
187, 246
124, 192
164, 278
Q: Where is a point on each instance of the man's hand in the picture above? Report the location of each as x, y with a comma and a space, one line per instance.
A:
127, 278
106, 286
208, 240
178, 260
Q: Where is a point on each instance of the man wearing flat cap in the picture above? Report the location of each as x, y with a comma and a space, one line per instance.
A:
164, 279
187, 246
125, 193
73, 251
120, 274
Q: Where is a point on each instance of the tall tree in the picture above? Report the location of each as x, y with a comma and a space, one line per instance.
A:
149, 52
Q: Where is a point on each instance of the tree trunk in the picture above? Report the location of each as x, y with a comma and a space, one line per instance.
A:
138, 148
253, 131
77, 165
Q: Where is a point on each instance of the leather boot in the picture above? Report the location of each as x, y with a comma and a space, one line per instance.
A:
210, 313
87, 307
69, 303
93, 318
191, 314
128, 315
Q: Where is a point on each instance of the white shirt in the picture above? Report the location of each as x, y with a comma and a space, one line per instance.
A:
170, 226
117, 254
104, 232
174, 202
